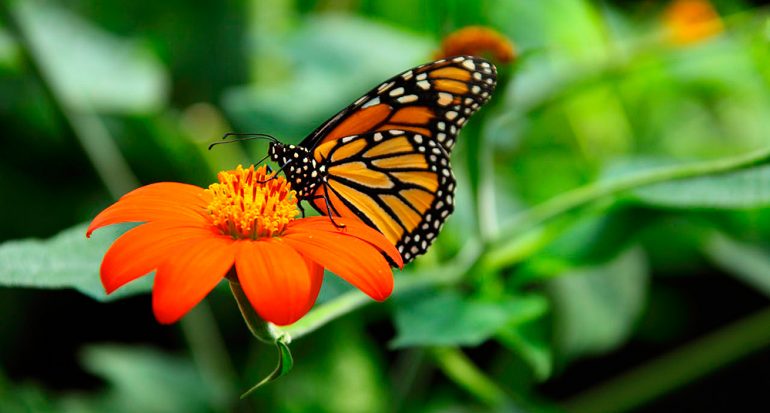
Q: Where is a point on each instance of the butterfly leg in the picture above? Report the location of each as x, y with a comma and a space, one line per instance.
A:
329, 208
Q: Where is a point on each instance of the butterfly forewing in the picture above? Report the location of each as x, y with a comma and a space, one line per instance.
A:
434, 100
399, 182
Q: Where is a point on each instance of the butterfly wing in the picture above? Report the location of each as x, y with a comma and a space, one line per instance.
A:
399, 182
434, 100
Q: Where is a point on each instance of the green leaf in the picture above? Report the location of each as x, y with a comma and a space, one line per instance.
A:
285, 363
439, 318
91, 69
530, 341
144, 379
743, 189
67, 260
749, 263
595, 308
332, 64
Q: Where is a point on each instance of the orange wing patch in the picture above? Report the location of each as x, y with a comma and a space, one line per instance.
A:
451, 73
415, 115
348, 150
360, 121
427, 180
418, 198
358, 172
411, 161
408, 216
369, 207
451, 86
390, 147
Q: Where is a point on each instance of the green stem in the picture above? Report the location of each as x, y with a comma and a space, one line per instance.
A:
456, 365
261, 329
676, 368
579, 197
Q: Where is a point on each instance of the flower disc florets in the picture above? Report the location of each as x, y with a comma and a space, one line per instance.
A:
251, 204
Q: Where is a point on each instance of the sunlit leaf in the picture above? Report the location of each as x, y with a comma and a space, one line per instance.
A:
333, 64
67, 260
747, 188
439, 318
747, 262
595, 308
146, 380
91, 69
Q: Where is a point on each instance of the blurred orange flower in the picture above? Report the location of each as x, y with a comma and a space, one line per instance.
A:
691, 21
193, 237
477, 41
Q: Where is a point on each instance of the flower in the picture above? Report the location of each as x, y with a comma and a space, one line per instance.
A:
691, 21
477, 41
193, 237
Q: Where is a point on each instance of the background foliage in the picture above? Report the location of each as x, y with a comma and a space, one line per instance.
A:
608, 253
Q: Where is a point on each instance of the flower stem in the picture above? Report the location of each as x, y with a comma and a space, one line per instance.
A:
593, 192
261, 329
456, 365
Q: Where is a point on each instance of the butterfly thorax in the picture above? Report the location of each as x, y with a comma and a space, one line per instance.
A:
299, 166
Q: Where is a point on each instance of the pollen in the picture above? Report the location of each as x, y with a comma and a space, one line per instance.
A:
251, 204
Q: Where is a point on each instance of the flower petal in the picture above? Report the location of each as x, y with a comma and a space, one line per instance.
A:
191, 271
355, 260
143, 249
277, 280
161, 201
353, 227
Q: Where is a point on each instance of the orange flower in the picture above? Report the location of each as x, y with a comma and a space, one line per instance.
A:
691, 21
477, 41
193, 237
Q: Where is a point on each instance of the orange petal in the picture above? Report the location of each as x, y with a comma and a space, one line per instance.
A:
277, 280
353, 227
356, 261
191, 270
161, 201
143, 249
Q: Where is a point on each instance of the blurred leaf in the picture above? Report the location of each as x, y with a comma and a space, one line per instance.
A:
438, 318
333, 63
9, 49
92, 70
743, 189
749, 263
143, 380
595, 308
67, 260
530, 342
749, 188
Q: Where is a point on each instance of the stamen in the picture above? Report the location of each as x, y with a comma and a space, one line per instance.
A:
246, 204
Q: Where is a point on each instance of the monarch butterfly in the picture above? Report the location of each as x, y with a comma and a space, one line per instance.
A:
385, 158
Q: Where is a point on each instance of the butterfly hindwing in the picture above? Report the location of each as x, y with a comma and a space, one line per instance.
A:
399, 182
434, 100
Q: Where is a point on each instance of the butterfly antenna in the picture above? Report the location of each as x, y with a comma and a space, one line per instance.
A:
244, 138
253, 135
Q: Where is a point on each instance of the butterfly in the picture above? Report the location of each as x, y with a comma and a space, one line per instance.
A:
385, 158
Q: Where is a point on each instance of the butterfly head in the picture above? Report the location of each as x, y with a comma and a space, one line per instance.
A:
299, 166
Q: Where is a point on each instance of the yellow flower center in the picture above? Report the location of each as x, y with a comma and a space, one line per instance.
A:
247, 203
